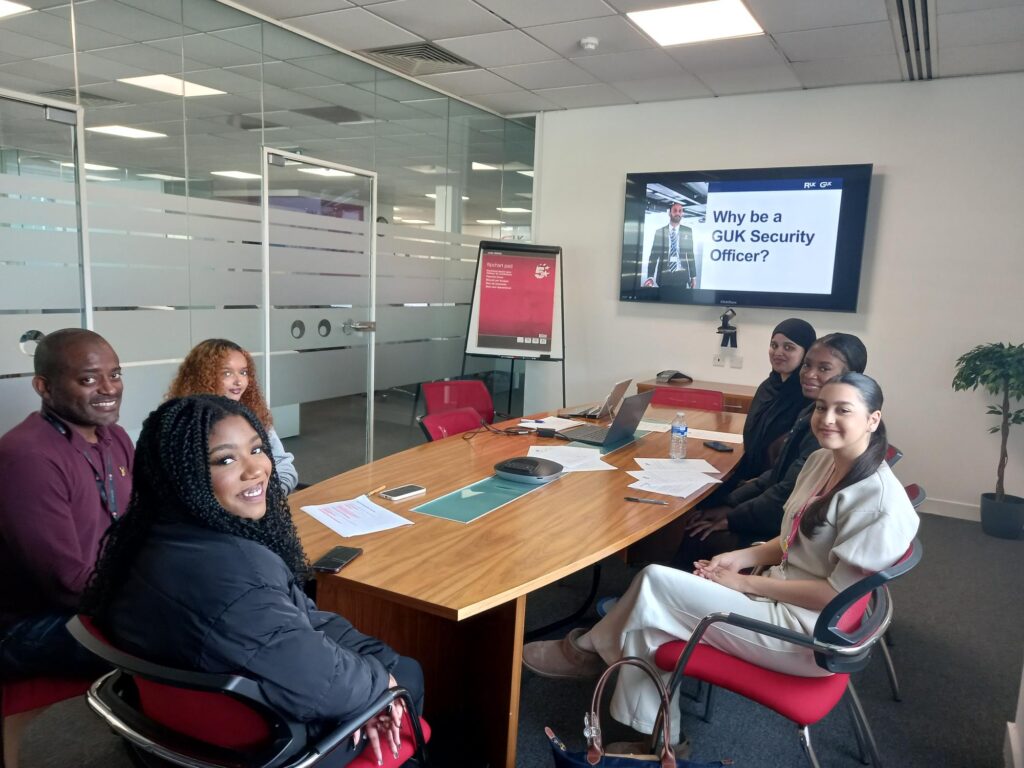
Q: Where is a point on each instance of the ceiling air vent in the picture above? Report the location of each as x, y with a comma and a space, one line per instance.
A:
86, 99
916, 35
418, 59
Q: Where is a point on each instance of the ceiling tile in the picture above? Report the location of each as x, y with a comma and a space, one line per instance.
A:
836, 71
470, 82
875, 39
497, 49
24, 46
791, 15
144, 57
353, 29
956, 6
529, 13
213, 51
681, 86
614, 34
275, 9
576, 96
546, 74
55, 29
981, 59
777, 77
123, 20
998, 25
631, 65
432, 19
737, 53
515, 103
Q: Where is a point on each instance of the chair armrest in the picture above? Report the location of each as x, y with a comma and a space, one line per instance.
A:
333, 739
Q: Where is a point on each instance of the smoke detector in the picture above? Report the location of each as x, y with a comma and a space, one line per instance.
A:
589, 43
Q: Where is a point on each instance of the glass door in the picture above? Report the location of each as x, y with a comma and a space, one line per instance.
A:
43, 255
319, 251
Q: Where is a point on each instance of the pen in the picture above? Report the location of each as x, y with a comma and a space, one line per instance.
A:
376, 490
645, 501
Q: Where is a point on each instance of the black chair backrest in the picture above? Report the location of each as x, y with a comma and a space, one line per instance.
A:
829, 628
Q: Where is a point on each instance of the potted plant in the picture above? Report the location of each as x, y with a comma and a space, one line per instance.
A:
999, 370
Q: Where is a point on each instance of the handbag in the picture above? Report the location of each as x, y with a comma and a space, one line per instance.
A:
594, 755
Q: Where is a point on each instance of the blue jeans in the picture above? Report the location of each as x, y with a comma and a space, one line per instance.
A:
41, 646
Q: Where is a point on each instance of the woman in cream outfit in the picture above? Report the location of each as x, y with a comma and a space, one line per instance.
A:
848, 516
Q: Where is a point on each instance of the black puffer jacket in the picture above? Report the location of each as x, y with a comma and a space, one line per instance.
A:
213, 602
757, 506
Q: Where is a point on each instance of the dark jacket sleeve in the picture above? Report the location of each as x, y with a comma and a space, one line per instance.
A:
265, 634
759, 516
340, 630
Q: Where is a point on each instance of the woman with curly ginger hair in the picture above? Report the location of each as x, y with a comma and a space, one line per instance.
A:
206, 572
221, 367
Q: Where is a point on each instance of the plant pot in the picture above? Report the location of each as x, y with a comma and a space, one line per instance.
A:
1005, 518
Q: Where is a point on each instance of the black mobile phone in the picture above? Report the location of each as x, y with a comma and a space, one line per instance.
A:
714, 445
337, 559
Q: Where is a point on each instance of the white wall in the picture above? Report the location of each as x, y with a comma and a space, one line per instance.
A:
943, 257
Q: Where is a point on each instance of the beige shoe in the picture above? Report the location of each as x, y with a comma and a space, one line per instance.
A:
562, 659
681, 750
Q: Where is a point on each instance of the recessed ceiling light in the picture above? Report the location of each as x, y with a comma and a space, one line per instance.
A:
126, 132
432, 196
236, 174
484, 167
526, 173
91, 167
429, 169
92, 177
8, 8
697, 22
325, 172
514, 210
489, 221
162, 177
172, 85
413, 221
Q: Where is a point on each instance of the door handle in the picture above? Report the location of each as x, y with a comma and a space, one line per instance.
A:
351, 326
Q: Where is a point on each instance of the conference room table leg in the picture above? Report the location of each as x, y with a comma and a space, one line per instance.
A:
471, 668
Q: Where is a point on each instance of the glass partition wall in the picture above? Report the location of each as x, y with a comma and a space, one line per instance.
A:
179, 100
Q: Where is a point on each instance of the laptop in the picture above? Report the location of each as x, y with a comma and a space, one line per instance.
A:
607, 408
622, 429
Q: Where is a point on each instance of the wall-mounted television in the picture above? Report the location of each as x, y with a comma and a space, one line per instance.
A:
750, 237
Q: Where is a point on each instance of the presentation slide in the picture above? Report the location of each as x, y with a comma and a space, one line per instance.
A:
516, 305
772, 235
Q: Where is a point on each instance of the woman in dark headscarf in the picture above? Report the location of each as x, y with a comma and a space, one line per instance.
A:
778, 400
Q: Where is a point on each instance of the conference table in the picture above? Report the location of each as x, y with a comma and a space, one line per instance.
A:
453, 595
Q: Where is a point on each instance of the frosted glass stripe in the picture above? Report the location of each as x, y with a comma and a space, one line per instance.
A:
205, 227
301, 377
12, 359
318, 238
33, 245
414, 323
141, 335
407, 363
242, 326
114, 286
312, 324
124, 219
303, 290
291, 260
212, 287
40, 287
202, 206
19, 400
35, 186
36, 213
284, 216
144, 390
205, 253
117, 196
110, 248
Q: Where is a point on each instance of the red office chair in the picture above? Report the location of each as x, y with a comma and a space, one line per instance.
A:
443, 396
842, 641
437, 426
22, 700
205, 720
688, 397
892, 455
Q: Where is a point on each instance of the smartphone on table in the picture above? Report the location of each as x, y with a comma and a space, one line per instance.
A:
403, 492
336, 559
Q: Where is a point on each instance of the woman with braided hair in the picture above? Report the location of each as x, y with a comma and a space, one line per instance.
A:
207, 573
221, 367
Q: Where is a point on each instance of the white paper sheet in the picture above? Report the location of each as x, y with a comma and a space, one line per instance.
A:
654, 426
671, 465
681, 487
707, 434
550, 422
355, 517
572, 458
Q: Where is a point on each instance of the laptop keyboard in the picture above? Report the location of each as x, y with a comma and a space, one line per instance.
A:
588, 432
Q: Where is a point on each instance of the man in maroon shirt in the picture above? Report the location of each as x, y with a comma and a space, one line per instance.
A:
65, 477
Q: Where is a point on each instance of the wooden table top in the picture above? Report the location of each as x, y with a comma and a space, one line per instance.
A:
456, 570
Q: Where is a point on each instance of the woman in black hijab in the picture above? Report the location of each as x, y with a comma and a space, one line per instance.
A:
778, 399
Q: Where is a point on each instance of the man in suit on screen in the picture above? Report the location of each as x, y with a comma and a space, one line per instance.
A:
671, 263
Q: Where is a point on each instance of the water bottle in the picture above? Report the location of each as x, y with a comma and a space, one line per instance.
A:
677, 445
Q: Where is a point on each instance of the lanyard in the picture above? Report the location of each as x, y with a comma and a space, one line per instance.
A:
104, 480
795, 529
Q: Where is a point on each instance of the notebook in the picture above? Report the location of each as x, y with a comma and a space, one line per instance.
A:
621, 429
607, 408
